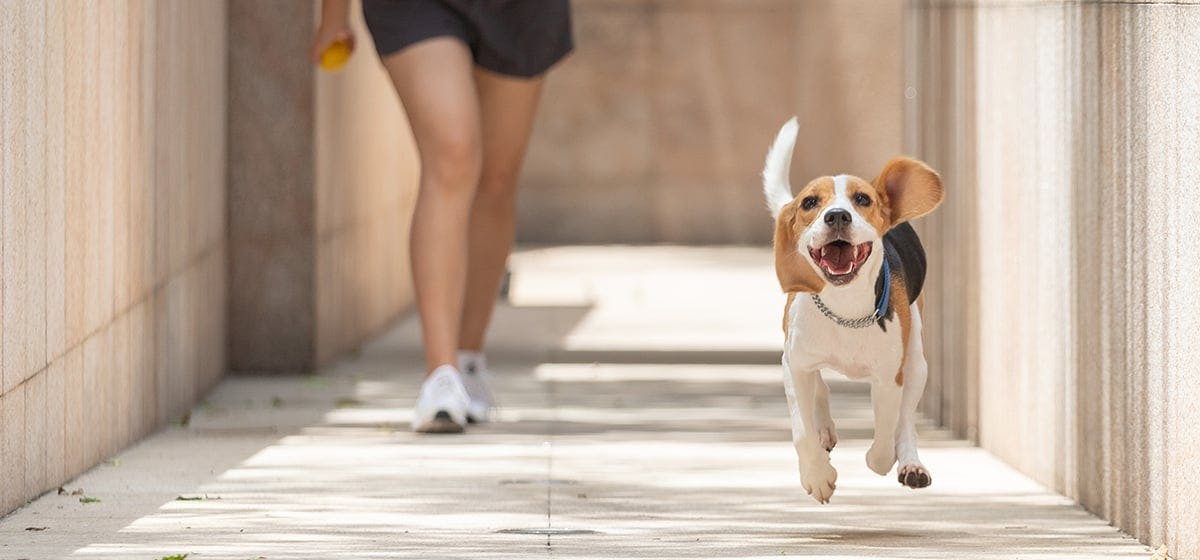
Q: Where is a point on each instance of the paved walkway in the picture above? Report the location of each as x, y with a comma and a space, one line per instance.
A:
643, 418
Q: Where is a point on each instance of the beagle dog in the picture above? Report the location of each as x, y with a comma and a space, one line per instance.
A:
852, 268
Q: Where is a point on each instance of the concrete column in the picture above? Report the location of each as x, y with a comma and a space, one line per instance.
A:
272, 227
322, 179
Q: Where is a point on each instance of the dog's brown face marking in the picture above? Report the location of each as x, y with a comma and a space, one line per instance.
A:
870, 203
793, 270
807, 205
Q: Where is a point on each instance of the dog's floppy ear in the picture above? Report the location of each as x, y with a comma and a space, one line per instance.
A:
792, 269
911, 188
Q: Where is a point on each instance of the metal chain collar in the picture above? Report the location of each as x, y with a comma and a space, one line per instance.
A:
859, 323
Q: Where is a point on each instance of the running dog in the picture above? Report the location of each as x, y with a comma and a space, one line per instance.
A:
852, 268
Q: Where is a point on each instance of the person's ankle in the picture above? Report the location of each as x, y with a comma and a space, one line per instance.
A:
438, 367
471, 361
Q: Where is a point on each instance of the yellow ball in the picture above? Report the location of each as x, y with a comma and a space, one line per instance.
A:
335, 56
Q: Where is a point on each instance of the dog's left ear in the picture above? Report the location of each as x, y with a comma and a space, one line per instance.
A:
911, 188
793, 271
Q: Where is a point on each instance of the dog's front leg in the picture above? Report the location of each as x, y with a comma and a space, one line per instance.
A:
826, 430
885, 400
817, 475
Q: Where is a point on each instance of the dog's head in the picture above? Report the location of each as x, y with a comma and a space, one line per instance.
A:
833, 228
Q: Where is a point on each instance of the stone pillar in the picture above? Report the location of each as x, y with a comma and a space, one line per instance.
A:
271, 186
322, 178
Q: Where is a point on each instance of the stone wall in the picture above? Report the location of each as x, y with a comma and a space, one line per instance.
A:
1070, 136
365, 189
113, 228
655, 129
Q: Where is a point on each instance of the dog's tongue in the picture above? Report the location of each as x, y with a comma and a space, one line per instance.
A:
838, 256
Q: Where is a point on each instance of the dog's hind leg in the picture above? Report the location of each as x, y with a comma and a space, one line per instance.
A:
817, 474
911, 472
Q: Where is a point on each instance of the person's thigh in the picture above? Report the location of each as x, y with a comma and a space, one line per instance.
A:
507, 107
433, 79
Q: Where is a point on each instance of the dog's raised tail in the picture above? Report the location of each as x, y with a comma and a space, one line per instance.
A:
776, 186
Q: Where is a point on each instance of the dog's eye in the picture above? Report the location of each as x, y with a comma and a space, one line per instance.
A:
862, 200
809, 202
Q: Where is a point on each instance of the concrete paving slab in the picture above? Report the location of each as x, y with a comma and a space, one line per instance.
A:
605, 458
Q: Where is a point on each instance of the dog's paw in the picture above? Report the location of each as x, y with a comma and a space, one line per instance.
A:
880, 458
827, 436
914, 475
819, 480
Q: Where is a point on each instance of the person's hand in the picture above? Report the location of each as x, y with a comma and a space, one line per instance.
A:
327, 34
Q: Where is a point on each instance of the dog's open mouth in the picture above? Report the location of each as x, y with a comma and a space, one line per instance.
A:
840, 260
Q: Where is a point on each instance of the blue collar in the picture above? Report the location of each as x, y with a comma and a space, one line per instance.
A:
881, 304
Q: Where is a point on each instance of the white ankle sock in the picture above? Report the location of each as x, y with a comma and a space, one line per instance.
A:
471, 362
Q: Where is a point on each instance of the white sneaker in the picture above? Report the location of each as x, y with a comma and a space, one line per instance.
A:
472, 367
442, 406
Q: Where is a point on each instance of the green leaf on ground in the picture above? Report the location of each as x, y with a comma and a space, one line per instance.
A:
347, 402
194, 498
174, 557
88, 500
276, 402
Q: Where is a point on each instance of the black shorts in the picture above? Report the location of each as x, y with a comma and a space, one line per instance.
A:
521, 38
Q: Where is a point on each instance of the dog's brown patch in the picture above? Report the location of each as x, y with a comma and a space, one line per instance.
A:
787, 307
791, 267
900, 306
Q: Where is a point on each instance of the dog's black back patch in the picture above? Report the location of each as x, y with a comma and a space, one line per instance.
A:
906, 257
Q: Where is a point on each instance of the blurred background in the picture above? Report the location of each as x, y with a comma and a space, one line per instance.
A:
185, 196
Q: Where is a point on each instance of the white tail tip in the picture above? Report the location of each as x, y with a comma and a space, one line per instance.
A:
776, 187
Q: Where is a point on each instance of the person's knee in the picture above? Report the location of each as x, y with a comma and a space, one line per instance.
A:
498, 185
452, 160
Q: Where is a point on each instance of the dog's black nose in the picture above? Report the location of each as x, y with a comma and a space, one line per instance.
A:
838, 217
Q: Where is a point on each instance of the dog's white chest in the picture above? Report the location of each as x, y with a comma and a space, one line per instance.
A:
814, 341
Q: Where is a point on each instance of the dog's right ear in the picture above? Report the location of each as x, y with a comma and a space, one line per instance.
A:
911, 188
793, 270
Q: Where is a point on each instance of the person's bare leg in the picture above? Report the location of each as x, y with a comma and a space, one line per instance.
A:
434, 81
507, 107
